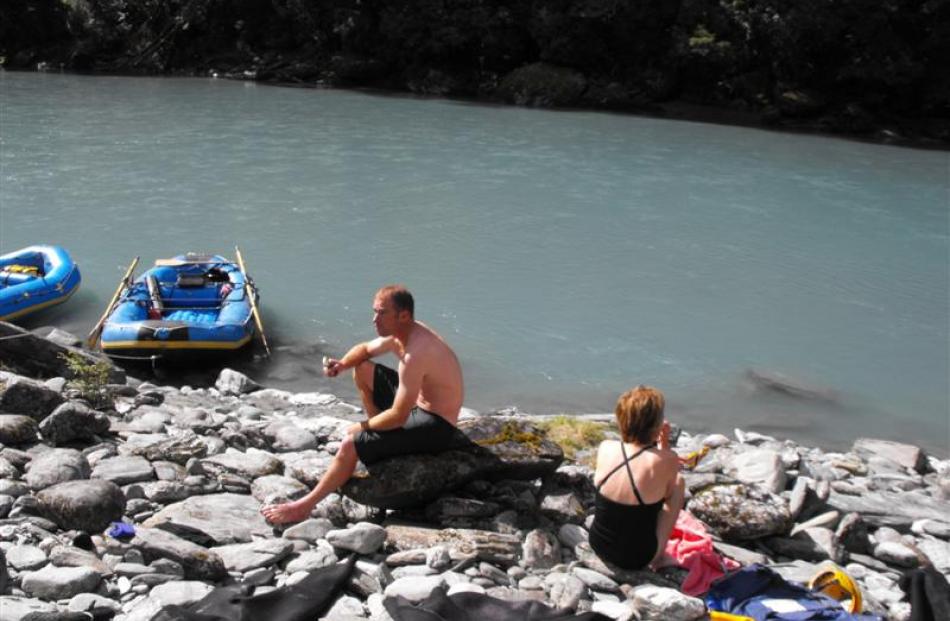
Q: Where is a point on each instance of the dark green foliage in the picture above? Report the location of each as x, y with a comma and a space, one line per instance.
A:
847, 64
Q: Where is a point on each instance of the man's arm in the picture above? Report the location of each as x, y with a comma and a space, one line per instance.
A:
410, 383
359, 353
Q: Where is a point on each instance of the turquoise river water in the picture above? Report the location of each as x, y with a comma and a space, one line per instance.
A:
565, 255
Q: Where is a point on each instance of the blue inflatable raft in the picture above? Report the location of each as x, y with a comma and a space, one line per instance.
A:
34, 278
189, 303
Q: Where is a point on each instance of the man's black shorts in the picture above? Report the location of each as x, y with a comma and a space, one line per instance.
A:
423, 431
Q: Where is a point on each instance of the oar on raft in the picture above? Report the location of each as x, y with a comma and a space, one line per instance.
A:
252, 291
93, 337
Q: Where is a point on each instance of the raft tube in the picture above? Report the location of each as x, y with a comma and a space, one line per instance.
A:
35, 278
191, 303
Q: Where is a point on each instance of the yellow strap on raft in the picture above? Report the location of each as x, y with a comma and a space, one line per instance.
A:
835, 582
715, 615
22, 269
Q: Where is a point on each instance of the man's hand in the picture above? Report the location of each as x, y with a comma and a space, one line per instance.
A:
331, 367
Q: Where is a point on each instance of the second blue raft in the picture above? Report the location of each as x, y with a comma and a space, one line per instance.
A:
34, 278
189, 303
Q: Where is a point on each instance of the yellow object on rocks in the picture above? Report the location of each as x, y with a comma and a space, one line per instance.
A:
835, 582
692, 460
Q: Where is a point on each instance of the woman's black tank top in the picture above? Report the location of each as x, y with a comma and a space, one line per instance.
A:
625, 535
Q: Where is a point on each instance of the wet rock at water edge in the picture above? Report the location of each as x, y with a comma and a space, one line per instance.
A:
231, 382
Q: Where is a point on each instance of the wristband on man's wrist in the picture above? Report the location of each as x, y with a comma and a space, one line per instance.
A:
364, 425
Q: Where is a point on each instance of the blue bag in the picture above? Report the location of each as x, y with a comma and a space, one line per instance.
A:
758, 592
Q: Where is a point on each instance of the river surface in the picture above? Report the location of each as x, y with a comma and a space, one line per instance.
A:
566, 255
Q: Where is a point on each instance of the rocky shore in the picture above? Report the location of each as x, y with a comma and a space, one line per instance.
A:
186, 469
863, 69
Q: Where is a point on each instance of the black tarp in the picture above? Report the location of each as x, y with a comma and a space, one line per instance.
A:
477, 607
304, 601
929, 594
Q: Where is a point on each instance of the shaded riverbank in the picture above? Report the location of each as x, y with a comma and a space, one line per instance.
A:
853, 68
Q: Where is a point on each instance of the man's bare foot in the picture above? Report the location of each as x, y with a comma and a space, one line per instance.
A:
286, 512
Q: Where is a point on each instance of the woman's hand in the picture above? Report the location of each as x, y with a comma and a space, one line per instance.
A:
664, 439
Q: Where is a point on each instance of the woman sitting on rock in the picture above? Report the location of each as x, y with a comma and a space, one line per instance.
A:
639, 489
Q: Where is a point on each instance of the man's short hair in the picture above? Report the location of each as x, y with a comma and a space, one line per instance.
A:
400, 297
640, 414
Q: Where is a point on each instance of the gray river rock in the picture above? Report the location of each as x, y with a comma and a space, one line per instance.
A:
123, 470
502, 448
73, 420
741, 512
56, 466
17, 429
218, 518
88, 505
193, 491
198, 562
20, 395
54, 583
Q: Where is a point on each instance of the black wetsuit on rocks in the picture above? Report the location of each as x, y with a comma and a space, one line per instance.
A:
625, 535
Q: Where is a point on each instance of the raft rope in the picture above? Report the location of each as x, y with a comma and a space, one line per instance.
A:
16, 336
153, 359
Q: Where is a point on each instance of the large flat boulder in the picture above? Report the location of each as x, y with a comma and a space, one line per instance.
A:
199, 562
490, 448
897, 509
215, 519
461, 543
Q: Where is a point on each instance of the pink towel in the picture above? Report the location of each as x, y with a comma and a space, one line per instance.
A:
692, 547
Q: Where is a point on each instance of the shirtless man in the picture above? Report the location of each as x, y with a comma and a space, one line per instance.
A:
412, 410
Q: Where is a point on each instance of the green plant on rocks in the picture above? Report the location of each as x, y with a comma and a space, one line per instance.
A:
573, 434
512, 432
89, 378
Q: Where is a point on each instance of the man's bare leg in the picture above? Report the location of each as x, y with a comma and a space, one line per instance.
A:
339, 472
363, 376
667, 518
